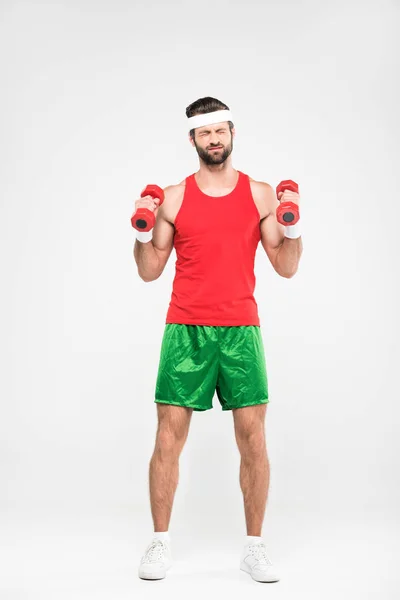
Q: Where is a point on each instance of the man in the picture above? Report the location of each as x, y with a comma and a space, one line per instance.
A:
212, 341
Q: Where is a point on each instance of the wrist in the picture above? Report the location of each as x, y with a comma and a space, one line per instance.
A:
144, 236
293, 231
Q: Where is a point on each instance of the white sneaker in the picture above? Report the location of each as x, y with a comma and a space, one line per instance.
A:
156, 560
256, 562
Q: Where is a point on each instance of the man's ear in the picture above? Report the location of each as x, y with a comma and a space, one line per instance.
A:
191, 140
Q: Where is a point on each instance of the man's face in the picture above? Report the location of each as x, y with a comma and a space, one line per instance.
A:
214, 143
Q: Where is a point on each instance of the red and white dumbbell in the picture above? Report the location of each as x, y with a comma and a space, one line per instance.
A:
287, 213
144, 219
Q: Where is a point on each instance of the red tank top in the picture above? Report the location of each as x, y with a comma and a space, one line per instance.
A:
216, 238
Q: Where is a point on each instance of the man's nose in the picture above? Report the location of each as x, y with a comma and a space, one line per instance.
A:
214, 139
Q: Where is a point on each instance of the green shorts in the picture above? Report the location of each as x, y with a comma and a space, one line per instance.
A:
197, 360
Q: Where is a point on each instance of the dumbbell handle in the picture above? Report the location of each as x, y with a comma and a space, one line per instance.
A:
144, 219
287, 213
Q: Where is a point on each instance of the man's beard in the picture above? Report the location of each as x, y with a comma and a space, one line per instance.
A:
214, 158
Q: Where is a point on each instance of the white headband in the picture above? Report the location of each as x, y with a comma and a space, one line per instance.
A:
209, 118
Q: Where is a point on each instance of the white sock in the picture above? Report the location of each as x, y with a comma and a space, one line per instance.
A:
161, 535
253, 539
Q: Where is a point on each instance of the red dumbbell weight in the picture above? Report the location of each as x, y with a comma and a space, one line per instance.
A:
144, 219
287, 213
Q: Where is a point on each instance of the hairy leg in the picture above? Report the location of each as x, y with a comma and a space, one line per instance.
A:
172, 431
249, 424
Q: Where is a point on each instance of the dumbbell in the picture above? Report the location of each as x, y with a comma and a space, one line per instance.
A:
287, 213
144, 219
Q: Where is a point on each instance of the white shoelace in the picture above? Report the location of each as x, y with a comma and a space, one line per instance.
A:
259, 551
155, 551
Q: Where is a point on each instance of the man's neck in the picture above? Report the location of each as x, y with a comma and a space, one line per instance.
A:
216, 175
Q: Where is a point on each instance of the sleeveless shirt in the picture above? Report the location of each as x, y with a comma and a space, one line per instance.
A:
215, 239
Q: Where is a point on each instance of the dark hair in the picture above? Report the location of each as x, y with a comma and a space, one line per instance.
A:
203, 106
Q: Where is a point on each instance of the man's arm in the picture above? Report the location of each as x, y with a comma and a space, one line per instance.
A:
284, 253
151, 257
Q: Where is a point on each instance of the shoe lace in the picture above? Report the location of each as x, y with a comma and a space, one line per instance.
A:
154, 552
259, 551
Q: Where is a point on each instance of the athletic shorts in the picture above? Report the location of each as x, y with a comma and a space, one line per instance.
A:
198, 360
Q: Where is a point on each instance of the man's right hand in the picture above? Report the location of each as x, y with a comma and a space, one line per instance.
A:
148, 202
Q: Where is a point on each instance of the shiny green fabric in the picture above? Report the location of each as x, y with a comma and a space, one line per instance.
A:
198, 360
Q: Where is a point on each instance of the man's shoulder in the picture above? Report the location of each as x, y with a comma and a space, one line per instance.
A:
264, 196
173, 196
261, 188
261, 185
175, 189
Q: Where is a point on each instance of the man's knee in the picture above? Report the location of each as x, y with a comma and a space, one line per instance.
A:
173, 427
251, 443
250, 429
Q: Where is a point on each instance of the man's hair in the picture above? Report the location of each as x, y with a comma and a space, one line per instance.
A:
203, 106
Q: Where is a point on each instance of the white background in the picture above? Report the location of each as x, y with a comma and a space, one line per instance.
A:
92, 108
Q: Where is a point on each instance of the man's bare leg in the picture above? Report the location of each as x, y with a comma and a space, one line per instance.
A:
172, 431
249, 424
